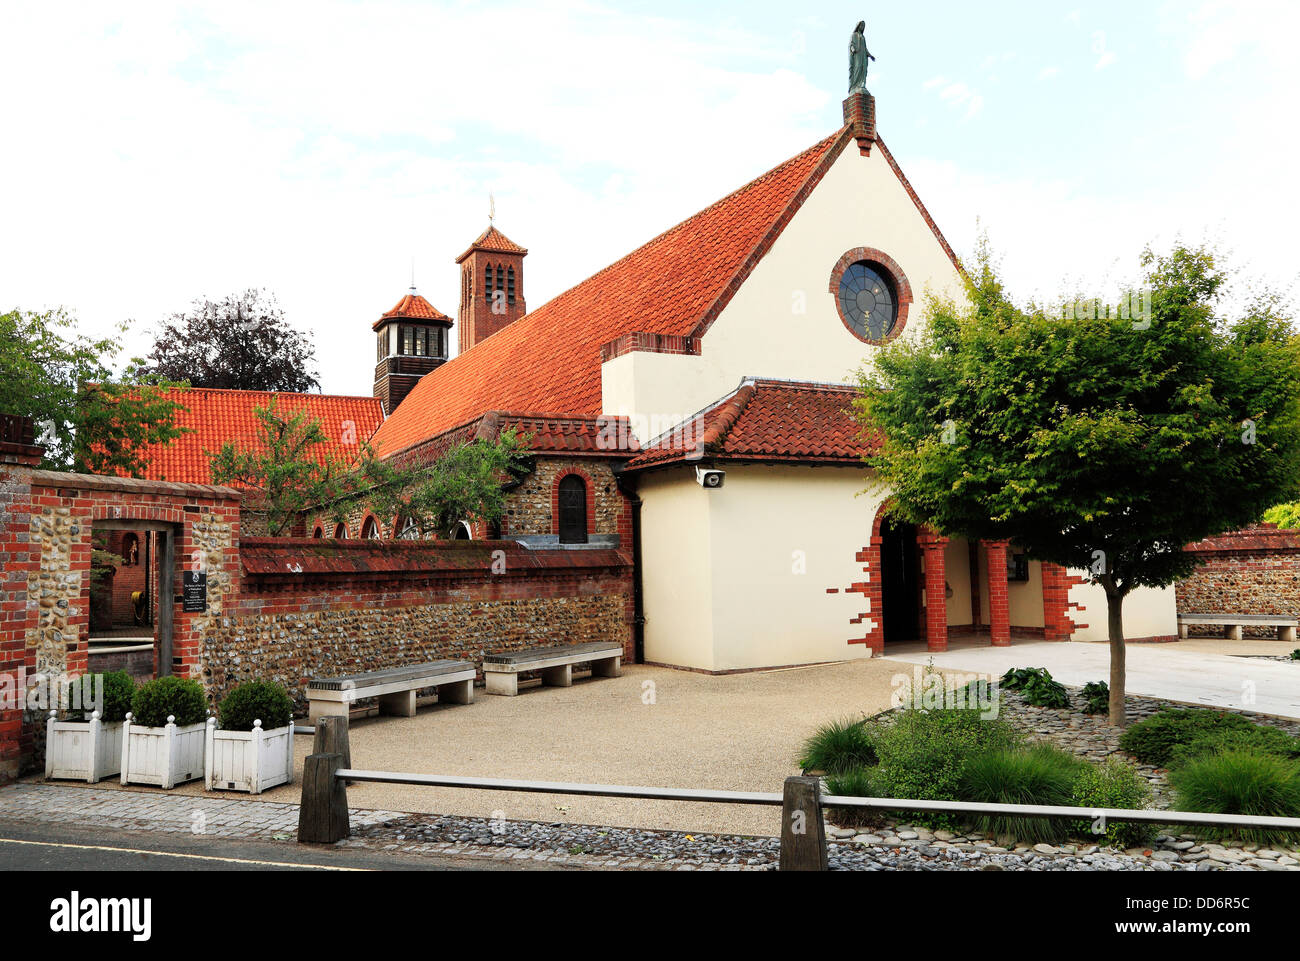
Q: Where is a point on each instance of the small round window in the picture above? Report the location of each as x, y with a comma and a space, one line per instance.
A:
868, 301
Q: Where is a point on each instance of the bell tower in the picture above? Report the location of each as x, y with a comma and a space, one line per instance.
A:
411, 340
491, 287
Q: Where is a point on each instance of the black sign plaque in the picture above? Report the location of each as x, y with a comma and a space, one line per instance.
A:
194, 592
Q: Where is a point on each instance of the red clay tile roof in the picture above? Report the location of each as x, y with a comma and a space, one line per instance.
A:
549, 360
493, 239
216, 416
413, 307
768, 420
579, 436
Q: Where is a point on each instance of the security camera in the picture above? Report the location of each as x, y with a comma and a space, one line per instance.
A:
709, 479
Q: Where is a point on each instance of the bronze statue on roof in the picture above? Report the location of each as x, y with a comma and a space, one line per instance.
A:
859, 56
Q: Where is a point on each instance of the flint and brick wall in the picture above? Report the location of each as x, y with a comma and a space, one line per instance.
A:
1255, 571
307, 609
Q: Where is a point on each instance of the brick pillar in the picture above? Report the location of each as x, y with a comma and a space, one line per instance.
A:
936, 600
860, 115
995, 553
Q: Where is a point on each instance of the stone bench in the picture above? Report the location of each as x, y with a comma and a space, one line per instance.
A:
501, 671
395, 687
1232, 624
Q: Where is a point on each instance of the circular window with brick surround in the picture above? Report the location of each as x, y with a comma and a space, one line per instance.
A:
871, 295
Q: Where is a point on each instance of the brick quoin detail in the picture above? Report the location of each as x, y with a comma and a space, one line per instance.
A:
995, 554
901, 284
1058, 625
869, 587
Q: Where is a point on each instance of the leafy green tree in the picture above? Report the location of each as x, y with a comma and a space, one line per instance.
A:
468, 482
88, 418
1103, 443
1285, 516
241, 342
286, 472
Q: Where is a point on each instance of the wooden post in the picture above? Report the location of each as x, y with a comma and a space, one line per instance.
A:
166, 603
332, 737
803, 836
323, 812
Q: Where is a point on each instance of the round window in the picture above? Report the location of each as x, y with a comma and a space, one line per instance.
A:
868, 301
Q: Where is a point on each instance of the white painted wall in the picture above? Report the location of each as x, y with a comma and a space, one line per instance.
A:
1148, 612
859, 203
769, 543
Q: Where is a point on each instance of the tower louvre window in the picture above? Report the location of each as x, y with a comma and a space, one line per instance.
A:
510, 285
408, 341
487, 282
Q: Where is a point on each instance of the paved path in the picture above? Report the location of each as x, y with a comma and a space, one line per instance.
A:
1193, 675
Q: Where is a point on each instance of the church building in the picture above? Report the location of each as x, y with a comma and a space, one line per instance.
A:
699, 419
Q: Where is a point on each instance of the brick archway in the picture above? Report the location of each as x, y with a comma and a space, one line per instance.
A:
933, 587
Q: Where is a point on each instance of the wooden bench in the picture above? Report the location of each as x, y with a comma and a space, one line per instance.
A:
1232, 624
501, 671
395, 687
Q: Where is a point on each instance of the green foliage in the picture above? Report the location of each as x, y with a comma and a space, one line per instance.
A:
1073, 438
1240, 782
286, 473
253, 701
1096, 697
1038, 774
1113, 784
241, 342
923, 754
468, 481
1152, 741
837, 747
1285, 516
87, 418
1295, 655
118, 691
855, 782
1251, 738
1037, 685
182, 697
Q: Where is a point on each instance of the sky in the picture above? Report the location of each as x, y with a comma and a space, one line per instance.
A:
151, 154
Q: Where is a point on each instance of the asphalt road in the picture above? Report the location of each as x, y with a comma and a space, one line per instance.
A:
37, 847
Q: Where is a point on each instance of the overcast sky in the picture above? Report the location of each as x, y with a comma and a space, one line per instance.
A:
151, 154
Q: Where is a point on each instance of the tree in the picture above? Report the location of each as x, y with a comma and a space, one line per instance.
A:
88, 419
468, 482
241, 342
285, 472
1105, 442
1285, 516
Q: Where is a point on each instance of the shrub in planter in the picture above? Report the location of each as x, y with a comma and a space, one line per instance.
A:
837, 747
178, 697
1038, 774
1254, 739
252, 701
156, 750
1240, 782
1113, 784
1152, 741
254, 750
923, 755
85, 746
1096, 697
851, 783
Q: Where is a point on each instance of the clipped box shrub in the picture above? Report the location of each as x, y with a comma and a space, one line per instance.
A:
255, 701
1113, 784
118, 691
1241, 782
1037, 774
837, 747
181, 697
1152, 741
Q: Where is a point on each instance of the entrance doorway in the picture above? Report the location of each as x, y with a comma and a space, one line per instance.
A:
900, 582
132, 598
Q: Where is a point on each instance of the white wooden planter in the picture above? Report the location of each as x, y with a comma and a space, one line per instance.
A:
248, 760
165, 756
84, 750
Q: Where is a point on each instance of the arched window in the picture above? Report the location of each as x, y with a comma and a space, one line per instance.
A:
370, 530
463, 532
573, 510
341, 532
318, 532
